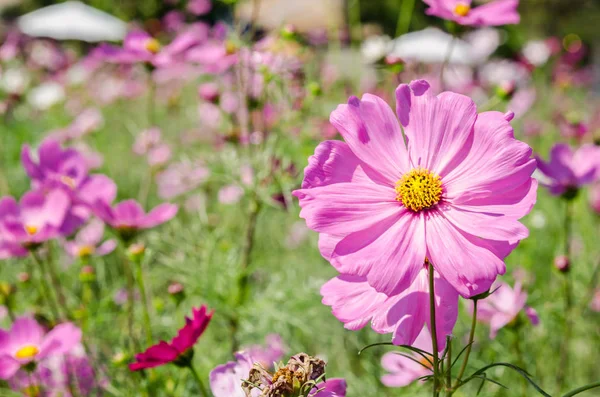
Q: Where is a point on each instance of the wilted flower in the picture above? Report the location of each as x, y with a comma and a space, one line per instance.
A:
568, 169
27, 342
463, 177
503, 306
181, 349
87, 242
404, 370
493, 13
356, 303
128, 217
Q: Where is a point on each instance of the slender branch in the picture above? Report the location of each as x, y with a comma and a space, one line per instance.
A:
145, 302
45, 288
130, 303
203, 390
582, 389
463, 367
433, 330
57, 285
449, 365
564, 350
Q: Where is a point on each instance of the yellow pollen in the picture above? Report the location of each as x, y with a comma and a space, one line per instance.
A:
152, 45
31, 230
86, 250
462, 9
26, 352
419, 189
425, 362
67, 180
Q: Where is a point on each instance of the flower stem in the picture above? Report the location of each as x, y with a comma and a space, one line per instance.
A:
243, 281
449, 366
203, 390
45, 288
463, 367
130, 304
62, 300
582, 389
434, 343
564, 350
145, 303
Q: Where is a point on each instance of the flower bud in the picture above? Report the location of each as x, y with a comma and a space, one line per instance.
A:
136, 251
562, 263
176, 292
23, 277
87, 274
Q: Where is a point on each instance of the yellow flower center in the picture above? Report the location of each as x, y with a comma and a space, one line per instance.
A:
419, 189
31, 230
28, 351
152, 45
86, 250
67, 180
462, 9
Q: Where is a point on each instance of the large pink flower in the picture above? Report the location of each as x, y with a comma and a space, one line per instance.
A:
355, 303
452, 193
494, 13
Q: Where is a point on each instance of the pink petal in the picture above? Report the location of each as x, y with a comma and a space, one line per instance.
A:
106, 248
494, 13
372, 132
8, 367
61, 340
26, 331
159, 215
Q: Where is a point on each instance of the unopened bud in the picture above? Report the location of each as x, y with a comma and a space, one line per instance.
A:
23, 277
136, 251
87, 274
176, 292
562, 263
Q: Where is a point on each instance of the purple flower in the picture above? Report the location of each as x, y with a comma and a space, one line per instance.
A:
493, 13
226, 380
569, 169
128, 217
35, 219
87, 242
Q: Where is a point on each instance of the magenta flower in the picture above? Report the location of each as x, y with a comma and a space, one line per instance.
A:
402, 370
180, 347
568, 170
27, 342
87, 242
355, 303
335, 387
454, 196
503, 307
128, 217
36, 219
493, 13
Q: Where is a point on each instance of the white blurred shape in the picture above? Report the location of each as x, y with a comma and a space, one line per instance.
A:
374, 48
72, 20
537, 52
46, 95
431, 45
483, 43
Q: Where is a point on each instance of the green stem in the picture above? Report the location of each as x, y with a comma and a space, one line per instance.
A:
404, 17
354, 20
520, 361
564, 351
243, 282
145, 302
62, 300
449, 366
130, 304
582, 389
434, 343
463, 367
45, 288
203, 390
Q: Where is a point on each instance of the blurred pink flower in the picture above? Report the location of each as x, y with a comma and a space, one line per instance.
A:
230, 194
159, 155
226, 379
503, 306
463, 177
146, 140
267, 355
173, 21
493, 13
180, 178
210, 115
180, 347
199, 7
209, 91
595, 198
595, 303
569, 169
402, 370
356, 303
87, 242
27, 342
92, 158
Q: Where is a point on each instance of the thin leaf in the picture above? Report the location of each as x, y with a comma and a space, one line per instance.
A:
373, 345
413, 359
582, 389
460, 354
520, 371
485, 378
481, 385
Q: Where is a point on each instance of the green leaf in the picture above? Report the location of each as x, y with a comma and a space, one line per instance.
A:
520, 371
484, 378
582, 389
460, 353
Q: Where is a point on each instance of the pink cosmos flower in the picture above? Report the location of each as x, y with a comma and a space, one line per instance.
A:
493, 13
503, 306
199, 7
86, 122
230, 194
182, 344
27, 342
87, 242
595, 303
271, 353
569, 169
128, 217
402, 370
36, 219
454, 195
146, 140
180, 178
356, 303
